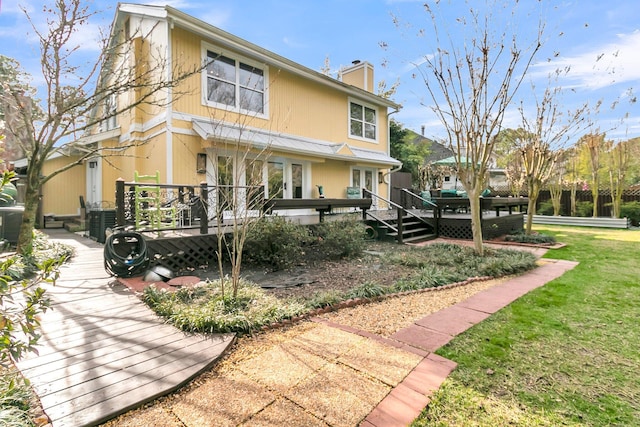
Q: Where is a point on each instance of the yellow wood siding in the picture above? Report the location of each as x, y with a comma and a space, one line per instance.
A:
61, 193
295, 105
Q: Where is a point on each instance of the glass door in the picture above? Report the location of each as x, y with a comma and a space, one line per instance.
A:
296, 181
275, 180
224, 194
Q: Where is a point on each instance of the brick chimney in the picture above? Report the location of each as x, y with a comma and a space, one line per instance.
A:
358, 74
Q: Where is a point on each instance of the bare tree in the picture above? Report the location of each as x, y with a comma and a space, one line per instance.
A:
618, 164
595, 145
541, 141
78, 99
472, 85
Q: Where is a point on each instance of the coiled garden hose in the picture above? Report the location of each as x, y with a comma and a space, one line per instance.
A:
125, 254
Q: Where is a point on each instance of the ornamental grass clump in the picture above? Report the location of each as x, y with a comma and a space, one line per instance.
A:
205, 309
366, 290
533, 238
443, 263
16, 399
324, 299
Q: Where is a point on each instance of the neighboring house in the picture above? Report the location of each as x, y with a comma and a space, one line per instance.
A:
440, 154
249, 114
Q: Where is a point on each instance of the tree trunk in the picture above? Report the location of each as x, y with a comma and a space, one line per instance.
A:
476, 221
531, 211
31, 201
595, 191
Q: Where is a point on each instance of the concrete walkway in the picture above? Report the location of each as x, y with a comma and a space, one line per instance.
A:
102, 351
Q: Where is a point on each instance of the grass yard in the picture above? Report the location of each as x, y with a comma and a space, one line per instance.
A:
565, 354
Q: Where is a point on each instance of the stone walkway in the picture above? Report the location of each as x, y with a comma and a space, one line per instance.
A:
102, 351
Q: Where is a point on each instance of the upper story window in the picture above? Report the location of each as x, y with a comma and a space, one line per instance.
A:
362, 121
235, 84
109, 113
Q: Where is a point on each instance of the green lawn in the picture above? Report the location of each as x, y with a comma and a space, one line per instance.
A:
565, 354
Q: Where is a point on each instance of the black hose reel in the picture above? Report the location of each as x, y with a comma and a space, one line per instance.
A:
125, 254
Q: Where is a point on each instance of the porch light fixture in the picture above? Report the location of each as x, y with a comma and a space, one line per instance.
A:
93, 164
201, 163
380, 177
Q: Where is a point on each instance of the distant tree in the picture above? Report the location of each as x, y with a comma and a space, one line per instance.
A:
541, 140
13, 81
618, 160
471, 85
595, 145
78, 99
409, 151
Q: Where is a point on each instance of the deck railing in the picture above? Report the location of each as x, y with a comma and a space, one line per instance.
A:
180, 206
401, 212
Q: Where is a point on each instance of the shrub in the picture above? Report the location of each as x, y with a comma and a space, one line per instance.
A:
275, 242
631, 210
545, 208
341, 238
584, 209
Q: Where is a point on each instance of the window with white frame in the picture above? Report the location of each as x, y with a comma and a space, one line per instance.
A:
109, 113
235, 84
362, 121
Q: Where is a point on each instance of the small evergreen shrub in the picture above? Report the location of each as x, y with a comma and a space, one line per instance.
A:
631, 210
341, 238
275, 242
584, 209
545, 208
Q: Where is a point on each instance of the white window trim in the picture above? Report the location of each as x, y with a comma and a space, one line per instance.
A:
364, 104
206, 47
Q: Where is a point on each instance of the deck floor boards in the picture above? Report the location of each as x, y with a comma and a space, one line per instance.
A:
102, 351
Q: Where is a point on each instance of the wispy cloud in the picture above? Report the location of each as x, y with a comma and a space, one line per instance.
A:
292, 43
610, 63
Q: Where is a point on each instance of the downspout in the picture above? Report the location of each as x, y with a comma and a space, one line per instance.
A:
169, 112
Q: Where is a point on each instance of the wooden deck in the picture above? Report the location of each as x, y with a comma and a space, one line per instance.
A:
103, 351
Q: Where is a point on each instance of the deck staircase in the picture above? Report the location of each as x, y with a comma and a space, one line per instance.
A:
405, 225
413, 230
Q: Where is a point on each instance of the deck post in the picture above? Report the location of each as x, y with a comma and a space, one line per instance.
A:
120, 217
400, 225
203, 207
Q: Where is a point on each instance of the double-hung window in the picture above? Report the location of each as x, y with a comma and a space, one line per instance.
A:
234, 84
362, 121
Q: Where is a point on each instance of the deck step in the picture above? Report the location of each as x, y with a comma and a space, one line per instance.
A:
420, 238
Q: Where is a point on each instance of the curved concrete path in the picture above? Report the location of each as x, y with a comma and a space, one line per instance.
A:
102, 351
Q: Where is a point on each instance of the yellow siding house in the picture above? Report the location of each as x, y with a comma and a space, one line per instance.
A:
247, 116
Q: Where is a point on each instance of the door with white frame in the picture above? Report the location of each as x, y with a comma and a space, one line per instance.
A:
365, 178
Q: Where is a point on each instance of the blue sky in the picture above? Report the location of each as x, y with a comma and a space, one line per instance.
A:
598, 41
